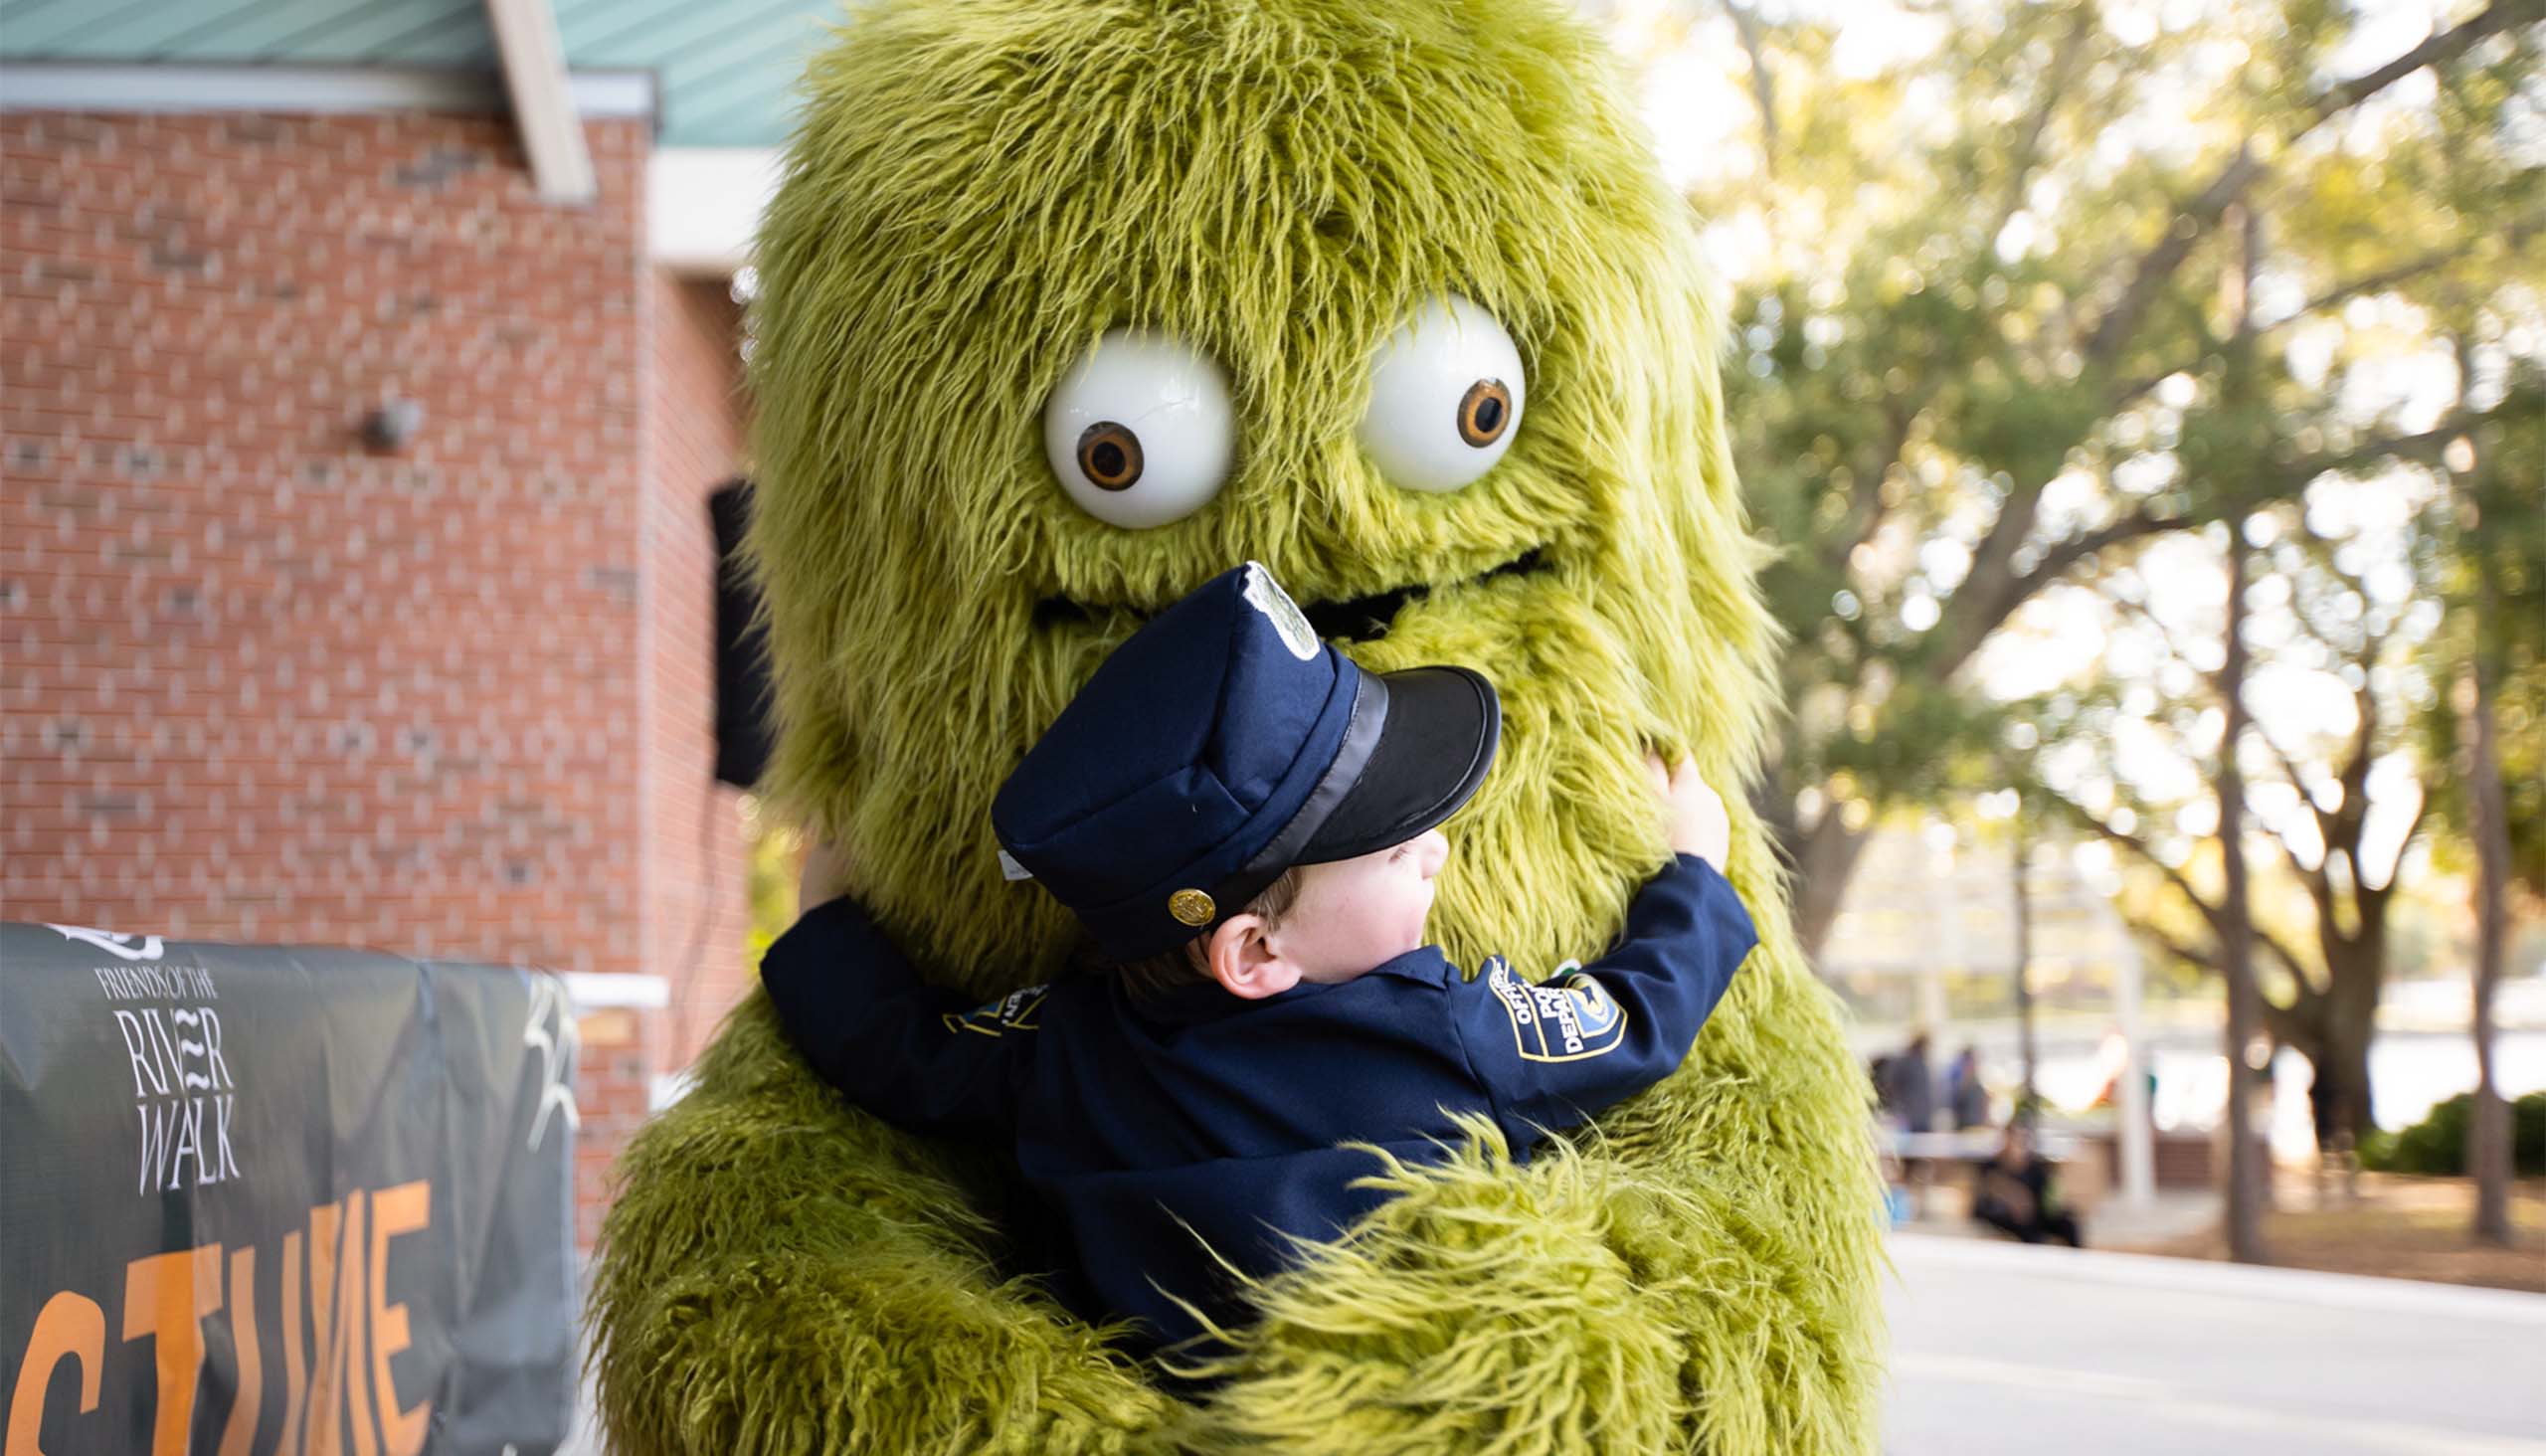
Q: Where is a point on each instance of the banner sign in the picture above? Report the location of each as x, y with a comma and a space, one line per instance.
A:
265, 1200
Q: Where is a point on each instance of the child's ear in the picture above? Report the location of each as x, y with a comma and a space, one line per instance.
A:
1241, 960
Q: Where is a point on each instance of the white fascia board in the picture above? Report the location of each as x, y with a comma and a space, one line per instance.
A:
594, 990
704, 205
43, 85
544, 114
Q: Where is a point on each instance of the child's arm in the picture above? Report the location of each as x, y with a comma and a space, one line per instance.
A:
919, 1058
1551, 1056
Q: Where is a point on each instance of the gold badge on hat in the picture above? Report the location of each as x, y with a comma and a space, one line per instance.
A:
1192, 907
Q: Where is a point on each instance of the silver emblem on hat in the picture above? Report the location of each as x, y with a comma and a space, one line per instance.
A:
1266, 595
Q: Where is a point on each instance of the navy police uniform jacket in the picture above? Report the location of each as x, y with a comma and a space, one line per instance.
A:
1137, 1120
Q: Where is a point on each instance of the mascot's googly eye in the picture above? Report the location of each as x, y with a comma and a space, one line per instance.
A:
1446, 396
1109, 456
1141, 431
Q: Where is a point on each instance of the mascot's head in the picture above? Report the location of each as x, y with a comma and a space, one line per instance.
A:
1067, 307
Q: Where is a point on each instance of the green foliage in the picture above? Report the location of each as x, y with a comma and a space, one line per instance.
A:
2002, 321
2484, 548
775, 849
2438, 1144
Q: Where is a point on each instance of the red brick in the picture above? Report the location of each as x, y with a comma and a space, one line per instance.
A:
252, 614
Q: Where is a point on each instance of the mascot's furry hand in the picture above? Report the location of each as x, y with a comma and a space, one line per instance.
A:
1064, 308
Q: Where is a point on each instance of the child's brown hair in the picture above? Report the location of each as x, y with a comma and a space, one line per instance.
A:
1152, 976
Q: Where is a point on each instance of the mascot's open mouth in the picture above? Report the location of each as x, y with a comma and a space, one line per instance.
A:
1361, 620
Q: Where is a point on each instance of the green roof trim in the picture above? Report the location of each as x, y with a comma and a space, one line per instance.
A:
726, 70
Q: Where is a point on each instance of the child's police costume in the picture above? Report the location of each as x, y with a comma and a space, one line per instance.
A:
1219, 745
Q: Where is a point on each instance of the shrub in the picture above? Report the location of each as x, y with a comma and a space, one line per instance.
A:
2438, 1144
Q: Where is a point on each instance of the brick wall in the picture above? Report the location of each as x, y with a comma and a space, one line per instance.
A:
263, 682
695, 901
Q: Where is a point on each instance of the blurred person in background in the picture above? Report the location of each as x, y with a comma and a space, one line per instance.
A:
2018, 1193
1966, 1097
1911, 1090
1906, 1089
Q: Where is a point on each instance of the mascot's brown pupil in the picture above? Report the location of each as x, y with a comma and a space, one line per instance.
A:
1483, 412
1109, 454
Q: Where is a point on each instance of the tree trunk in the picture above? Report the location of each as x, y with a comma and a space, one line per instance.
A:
2245, 1191
2489, 1134
2019, 861
2340, 1097
1823, 863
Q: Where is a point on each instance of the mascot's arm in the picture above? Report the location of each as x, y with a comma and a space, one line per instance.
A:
907, 1052
1552, 1055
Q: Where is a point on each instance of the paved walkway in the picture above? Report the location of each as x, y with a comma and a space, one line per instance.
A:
2000, 1347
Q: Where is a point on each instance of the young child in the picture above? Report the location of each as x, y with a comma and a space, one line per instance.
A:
1246, 824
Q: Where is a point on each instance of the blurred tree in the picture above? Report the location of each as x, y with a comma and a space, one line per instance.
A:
2331, 790
2246, 1170
1985, 323
2484, 544
2495, 540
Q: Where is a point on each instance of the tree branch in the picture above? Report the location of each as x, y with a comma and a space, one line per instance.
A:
2320, 885
2097, 826
2424, 447
2113, 332
2028, 150
2519, 232
2445, 46
2289, 961
2278, 1019
1988, 594
2516, 233
2146, 614
2353, 773
2212, 915
2284, 482
1746, 26
2180, 950
2289, 763
1865, 493
2413, 827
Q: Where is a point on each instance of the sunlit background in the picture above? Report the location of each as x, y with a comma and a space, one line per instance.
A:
2037, 310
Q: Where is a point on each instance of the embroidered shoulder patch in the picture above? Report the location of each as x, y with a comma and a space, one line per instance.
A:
1558, 1022
1013, 1011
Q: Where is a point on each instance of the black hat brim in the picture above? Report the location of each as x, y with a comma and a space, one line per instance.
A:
1442, 727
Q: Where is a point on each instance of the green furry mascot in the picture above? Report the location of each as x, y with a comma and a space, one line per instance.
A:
979, 193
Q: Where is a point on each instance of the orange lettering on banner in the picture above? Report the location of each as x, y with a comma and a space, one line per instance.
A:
339, 1374
69, 1324
242, 1429
337, 1307
165, 1297
349, 1372
295, 1375
406, 1208
318, 1439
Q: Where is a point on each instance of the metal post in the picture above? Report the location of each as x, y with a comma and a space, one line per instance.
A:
2137, 1135
1946, 900
2020, 861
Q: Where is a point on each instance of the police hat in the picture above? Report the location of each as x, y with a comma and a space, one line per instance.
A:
1223, 744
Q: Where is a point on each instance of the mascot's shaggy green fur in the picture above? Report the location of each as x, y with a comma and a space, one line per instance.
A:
979, 191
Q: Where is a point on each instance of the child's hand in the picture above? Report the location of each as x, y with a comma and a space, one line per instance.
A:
1699, 825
